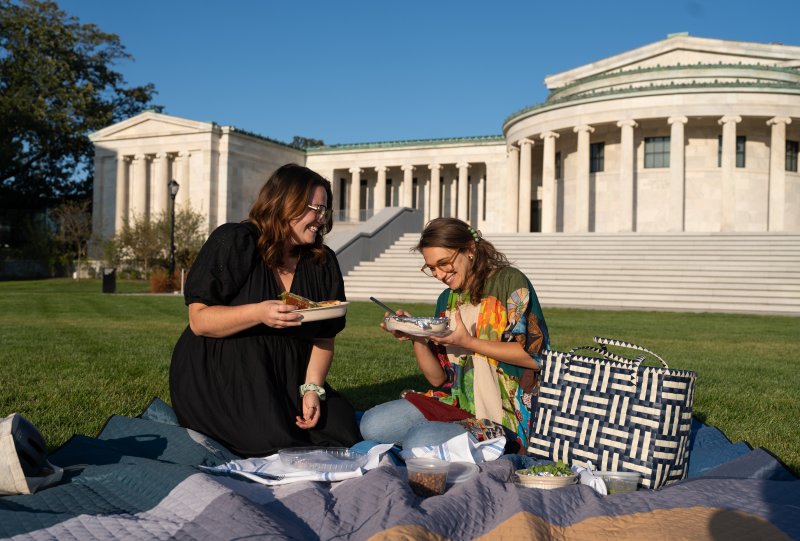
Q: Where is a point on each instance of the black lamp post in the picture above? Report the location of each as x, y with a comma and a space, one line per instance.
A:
173, 191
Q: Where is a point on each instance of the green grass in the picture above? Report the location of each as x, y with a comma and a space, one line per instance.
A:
71, 356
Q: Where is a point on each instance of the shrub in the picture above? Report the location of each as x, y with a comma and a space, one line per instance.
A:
160, 282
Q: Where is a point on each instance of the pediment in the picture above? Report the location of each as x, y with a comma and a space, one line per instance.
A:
684, 50
150, 124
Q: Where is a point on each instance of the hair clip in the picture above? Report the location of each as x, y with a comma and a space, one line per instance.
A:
476, 234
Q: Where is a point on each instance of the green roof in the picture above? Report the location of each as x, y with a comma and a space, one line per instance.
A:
478, 139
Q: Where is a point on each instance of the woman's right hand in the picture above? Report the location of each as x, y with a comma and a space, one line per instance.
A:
279, 315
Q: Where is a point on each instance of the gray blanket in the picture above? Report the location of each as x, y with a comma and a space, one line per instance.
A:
139, 480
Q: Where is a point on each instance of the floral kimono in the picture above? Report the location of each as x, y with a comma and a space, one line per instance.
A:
486, 387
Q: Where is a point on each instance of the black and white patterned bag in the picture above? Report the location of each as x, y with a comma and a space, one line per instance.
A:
615, 412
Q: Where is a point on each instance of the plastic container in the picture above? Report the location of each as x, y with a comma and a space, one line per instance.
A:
544, 482
427, 476
620, 482
460, 472
324, 459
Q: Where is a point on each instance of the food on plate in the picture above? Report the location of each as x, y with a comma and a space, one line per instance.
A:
559, 469
303, 303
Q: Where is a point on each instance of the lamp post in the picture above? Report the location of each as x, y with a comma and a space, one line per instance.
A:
173, 191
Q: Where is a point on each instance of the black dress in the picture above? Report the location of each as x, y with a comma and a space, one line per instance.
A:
243, 390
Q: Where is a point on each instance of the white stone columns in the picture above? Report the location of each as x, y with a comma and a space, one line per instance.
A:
626, 218
159, 184
407, 188
728, 184
380, 189
777, 173
435, 205
463, 188
550, 195
354, 195
184, 174
122, 192
512, 187
525, 180
582, 179
677, 173
138, 188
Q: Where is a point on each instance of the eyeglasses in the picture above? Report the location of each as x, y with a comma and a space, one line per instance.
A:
442, 265
322, 211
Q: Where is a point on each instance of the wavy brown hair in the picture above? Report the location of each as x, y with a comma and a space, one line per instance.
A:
454, 234
282, 199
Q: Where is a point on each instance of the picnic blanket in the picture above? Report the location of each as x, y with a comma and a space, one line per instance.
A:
140, 479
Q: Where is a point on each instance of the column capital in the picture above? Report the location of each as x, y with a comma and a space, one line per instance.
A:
583, 127
677, 120
161, 155
462, 165
549, 135
729, 118
627, 123
511, 148
779, 120
185, 153
139, 158
126, 159
526, 141
355, 170
381, 169
434, 166
407, 167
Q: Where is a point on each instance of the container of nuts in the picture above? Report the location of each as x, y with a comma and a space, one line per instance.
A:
427, 476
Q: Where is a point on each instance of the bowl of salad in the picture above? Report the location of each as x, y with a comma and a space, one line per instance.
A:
546, 476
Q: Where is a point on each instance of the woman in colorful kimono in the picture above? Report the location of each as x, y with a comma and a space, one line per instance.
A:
485, 369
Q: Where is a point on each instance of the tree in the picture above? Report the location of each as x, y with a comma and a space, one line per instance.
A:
74, 222
57, 85
299, 141
144, 244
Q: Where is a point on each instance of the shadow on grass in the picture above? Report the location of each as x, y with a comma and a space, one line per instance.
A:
365, 396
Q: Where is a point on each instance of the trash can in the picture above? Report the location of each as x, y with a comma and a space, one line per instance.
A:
109, 280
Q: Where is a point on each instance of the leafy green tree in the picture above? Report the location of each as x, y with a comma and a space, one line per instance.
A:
57, 85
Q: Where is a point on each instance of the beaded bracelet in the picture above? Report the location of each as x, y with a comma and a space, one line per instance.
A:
314, 388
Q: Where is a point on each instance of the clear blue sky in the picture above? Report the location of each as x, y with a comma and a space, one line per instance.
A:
350, 72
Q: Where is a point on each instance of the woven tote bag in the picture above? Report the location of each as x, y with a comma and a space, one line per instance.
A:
615, 412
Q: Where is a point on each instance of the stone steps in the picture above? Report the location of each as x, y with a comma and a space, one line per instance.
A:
752, 273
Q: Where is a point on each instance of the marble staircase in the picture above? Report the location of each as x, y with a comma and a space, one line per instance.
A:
720, 272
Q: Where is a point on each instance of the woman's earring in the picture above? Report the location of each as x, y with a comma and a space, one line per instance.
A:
470, 257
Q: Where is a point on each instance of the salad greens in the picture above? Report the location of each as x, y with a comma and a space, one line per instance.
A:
559, 469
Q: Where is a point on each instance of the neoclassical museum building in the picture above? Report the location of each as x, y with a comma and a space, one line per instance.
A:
686, 134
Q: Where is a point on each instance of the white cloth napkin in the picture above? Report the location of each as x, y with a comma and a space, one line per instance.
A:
462, 448
587, 477
271, 471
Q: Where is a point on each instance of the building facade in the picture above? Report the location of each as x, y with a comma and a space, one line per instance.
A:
683, 135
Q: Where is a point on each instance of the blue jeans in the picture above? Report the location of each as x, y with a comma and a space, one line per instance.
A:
400, 422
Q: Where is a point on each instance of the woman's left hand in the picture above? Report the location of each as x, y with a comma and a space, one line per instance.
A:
311, 411
460, 337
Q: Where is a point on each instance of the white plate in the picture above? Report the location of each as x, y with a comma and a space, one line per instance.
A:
323, 312
438, 325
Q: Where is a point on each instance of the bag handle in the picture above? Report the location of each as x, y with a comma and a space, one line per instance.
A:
622, 343
609, 355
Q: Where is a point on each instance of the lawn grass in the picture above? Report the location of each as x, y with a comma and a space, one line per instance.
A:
71, 356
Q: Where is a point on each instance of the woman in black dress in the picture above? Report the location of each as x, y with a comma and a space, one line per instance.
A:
247, 371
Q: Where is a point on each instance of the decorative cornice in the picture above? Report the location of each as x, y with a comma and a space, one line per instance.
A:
650, 89
234, 129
